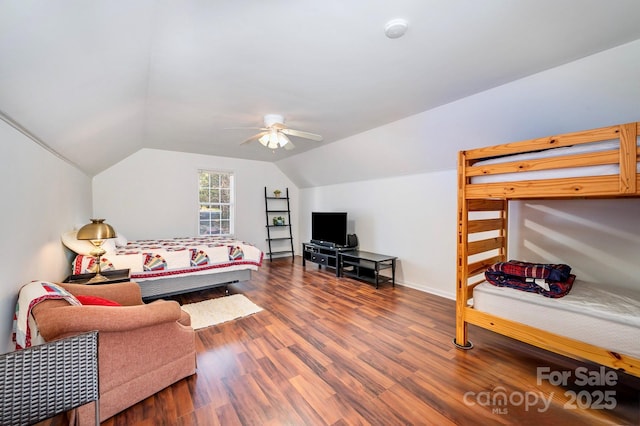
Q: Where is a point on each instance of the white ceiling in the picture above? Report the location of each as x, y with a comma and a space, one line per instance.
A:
98, 80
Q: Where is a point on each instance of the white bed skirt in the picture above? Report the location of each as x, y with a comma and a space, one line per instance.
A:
151, 288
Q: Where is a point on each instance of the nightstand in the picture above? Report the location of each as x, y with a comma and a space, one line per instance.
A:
113, 276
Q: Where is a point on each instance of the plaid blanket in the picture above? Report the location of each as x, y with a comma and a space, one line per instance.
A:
547, 271
550, 280
556, 290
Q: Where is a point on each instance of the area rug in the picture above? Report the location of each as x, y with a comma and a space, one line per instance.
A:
222, 309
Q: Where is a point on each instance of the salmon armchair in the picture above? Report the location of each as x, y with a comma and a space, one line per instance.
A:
142, 348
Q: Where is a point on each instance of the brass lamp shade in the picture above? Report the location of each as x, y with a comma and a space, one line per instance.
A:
97, 231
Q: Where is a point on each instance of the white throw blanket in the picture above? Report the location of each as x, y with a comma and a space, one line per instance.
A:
25, 329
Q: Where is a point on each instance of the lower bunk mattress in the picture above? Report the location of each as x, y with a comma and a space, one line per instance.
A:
592, 313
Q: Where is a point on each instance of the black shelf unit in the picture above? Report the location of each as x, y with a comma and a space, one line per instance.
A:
275, 206
351, 262
321, 255
366, 266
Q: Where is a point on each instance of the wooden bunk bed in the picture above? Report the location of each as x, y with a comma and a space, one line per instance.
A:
483, 217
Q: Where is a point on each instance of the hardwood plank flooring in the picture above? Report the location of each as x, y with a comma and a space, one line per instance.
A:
328, 351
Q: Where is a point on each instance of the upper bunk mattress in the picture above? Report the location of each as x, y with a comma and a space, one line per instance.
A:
153, 259
602, 170
590, 313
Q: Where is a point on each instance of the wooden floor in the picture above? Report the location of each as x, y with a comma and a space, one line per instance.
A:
327, 351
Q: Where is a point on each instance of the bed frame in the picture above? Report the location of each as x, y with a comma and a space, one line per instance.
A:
483, 210
162, 287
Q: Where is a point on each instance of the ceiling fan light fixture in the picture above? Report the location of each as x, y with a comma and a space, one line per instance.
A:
282, 139
274, 139
271, 139
275, 134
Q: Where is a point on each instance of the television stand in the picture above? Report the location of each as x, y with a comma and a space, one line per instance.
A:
351, 262
323, 255
366, 266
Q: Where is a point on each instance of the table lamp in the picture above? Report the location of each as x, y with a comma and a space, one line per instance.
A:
97, 231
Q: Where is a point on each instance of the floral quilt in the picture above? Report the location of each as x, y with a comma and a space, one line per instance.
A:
176, 256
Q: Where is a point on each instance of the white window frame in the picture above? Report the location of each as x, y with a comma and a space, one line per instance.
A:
215, 201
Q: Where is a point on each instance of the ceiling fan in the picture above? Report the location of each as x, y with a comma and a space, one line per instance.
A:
275, 134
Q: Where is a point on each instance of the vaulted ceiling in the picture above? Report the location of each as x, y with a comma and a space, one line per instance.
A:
98, 80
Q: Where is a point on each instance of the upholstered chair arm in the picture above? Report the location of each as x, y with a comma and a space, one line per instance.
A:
63, 321
126, 294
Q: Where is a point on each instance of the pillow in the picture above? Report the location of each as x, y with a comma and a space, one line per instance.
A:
70, 240
94, 300
121, 240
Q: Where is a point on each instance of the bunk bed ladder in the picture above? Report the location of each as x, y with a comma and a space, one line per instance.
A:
487, 218
485, 252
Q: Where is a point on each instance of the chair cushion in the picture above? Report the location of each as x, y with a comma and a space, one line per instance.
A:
94, 300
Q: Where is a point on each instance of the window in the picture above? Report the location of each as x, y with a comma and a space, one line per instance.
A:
216, 203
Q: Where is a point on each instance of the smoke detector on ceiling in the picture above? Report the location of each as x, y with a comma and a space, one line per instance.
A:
396, 28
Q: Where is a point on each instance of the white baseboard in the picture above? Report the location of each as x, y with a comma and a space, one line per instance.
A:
430, 290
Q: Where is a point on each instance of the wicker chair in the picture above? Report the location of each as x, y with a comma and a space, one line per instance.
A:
45, 380
143, 348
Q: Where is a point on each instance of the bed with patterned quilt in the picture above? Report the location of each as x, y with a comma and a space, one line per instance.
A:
170, 266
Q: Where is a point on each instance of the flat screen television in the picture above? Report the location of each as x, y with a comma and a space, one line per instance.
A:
329, 228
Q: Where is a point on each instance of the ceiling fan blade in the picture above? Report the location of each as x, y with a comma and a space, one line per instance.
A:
253, 138
289, 146
302, 134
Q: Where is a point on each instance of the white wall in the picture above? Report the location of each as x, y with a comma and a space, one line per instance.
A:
599, 239
596, 91
412, 217
42, 196
154, 194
